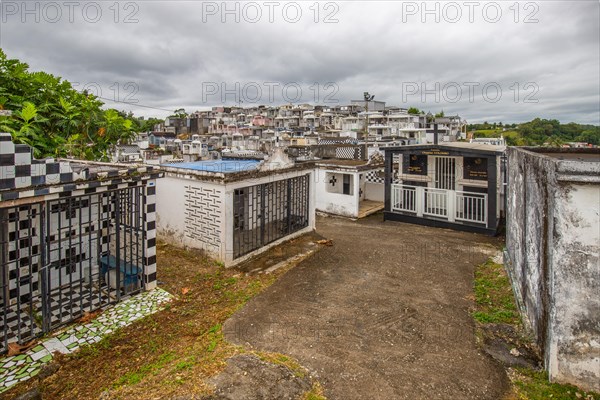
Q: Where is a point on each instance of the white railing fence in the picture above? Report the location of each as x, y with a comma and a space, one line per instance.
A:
471, 207
404, 198
436, 202
452, 205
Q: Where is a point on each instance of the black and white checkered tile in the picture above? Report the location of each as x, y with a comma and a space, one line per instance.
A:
23, 176
376, 176
18, 168
23, 321
23, 252
54, 183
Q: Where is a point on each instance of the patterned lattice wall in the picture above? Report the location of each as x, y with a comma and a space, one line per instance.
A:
346, 140
203, 215
349, 152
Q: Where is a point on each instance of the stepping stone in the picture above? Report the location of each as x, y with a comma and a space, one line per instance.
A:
40, 354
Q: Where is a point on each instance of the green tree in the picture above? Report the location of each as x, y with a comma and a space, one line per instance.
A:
55, 119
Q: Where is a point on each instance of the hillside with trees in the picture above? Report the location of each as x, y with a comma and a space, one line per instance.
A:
539, 132
55, 119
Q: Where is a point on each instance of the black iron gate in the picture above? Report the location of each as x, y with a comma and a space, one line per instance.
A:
268, 212
64, 257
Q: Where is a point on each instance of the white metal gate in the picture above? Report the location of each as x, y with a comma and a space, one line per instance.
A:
445, 173
436, 201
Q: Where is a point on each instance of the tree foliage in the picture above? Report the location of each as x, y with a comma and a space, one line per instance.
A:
56, 120
539, 132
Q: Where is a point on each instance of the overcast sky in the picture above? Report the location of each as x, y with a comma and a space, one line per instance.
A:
494, 61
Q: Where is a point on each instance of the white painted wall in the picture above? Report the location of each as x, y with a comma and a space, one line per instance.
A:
374, 191
177, 225
330, 199
552, 256
172, 212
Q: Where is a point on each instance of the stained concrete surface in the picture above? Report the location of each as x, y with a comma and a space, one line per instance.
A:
381, 314
249, 378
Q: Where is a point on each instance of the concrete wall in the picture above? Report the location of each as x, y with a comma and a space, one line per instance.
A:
374, 191
199, 213
330, 199
189, 213
552, 246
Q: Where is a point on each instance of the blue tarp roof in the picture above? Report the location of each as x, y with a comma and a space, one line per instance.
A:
223, 166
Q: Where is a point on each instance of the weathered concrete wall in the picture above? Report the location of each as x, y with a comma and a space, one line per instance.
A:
574, 345
552, 240
527, 235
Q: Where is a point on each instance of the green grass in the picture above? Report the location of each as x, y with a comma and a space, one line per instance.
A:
185, 365
92, 350
534, 385
215, 336
316, 393
494, 296
488, 133
495, 305
135, 377
282, 359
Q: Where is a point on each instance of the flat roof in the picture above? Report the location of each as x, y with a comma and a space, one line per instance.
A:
349, 163
222, 166
455, 145
587, 157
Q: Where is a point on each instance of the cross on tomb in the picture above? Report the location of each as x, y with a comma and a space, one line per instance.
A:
333, 180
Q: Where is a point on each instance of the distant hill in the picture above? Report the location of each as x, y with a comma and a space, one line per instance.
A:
539, 132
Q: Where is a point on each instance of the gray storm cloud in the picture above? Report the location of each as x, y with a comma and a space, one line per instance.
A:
483, 60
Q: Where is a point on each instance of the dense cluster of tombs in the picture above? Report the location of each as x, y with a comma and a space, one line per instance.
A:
77, 236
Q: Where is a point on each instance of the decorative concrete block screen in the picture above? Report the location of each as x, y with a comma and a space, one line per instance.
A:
72, 245
203, 215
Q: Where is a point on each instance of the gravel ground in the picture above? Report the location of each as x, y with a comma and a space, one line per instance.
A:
381, 314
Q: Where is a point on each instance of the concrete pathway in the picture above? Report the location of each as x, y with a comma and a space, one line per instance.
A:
381, 314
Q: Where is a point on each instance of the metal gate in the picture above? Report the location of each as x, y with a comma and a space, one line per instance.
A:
64, 257
268, 212
445, 173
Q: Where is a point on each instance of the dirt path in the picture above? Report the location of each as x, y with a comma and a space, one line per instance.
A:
382, 314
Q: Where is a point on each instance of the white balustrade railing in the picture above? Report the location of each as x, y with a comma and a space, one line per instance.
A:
471, 207
404, 198
436, 202
451, 205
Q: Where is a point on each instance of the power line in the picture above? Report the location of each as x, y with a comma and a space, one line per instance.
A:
134, 104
